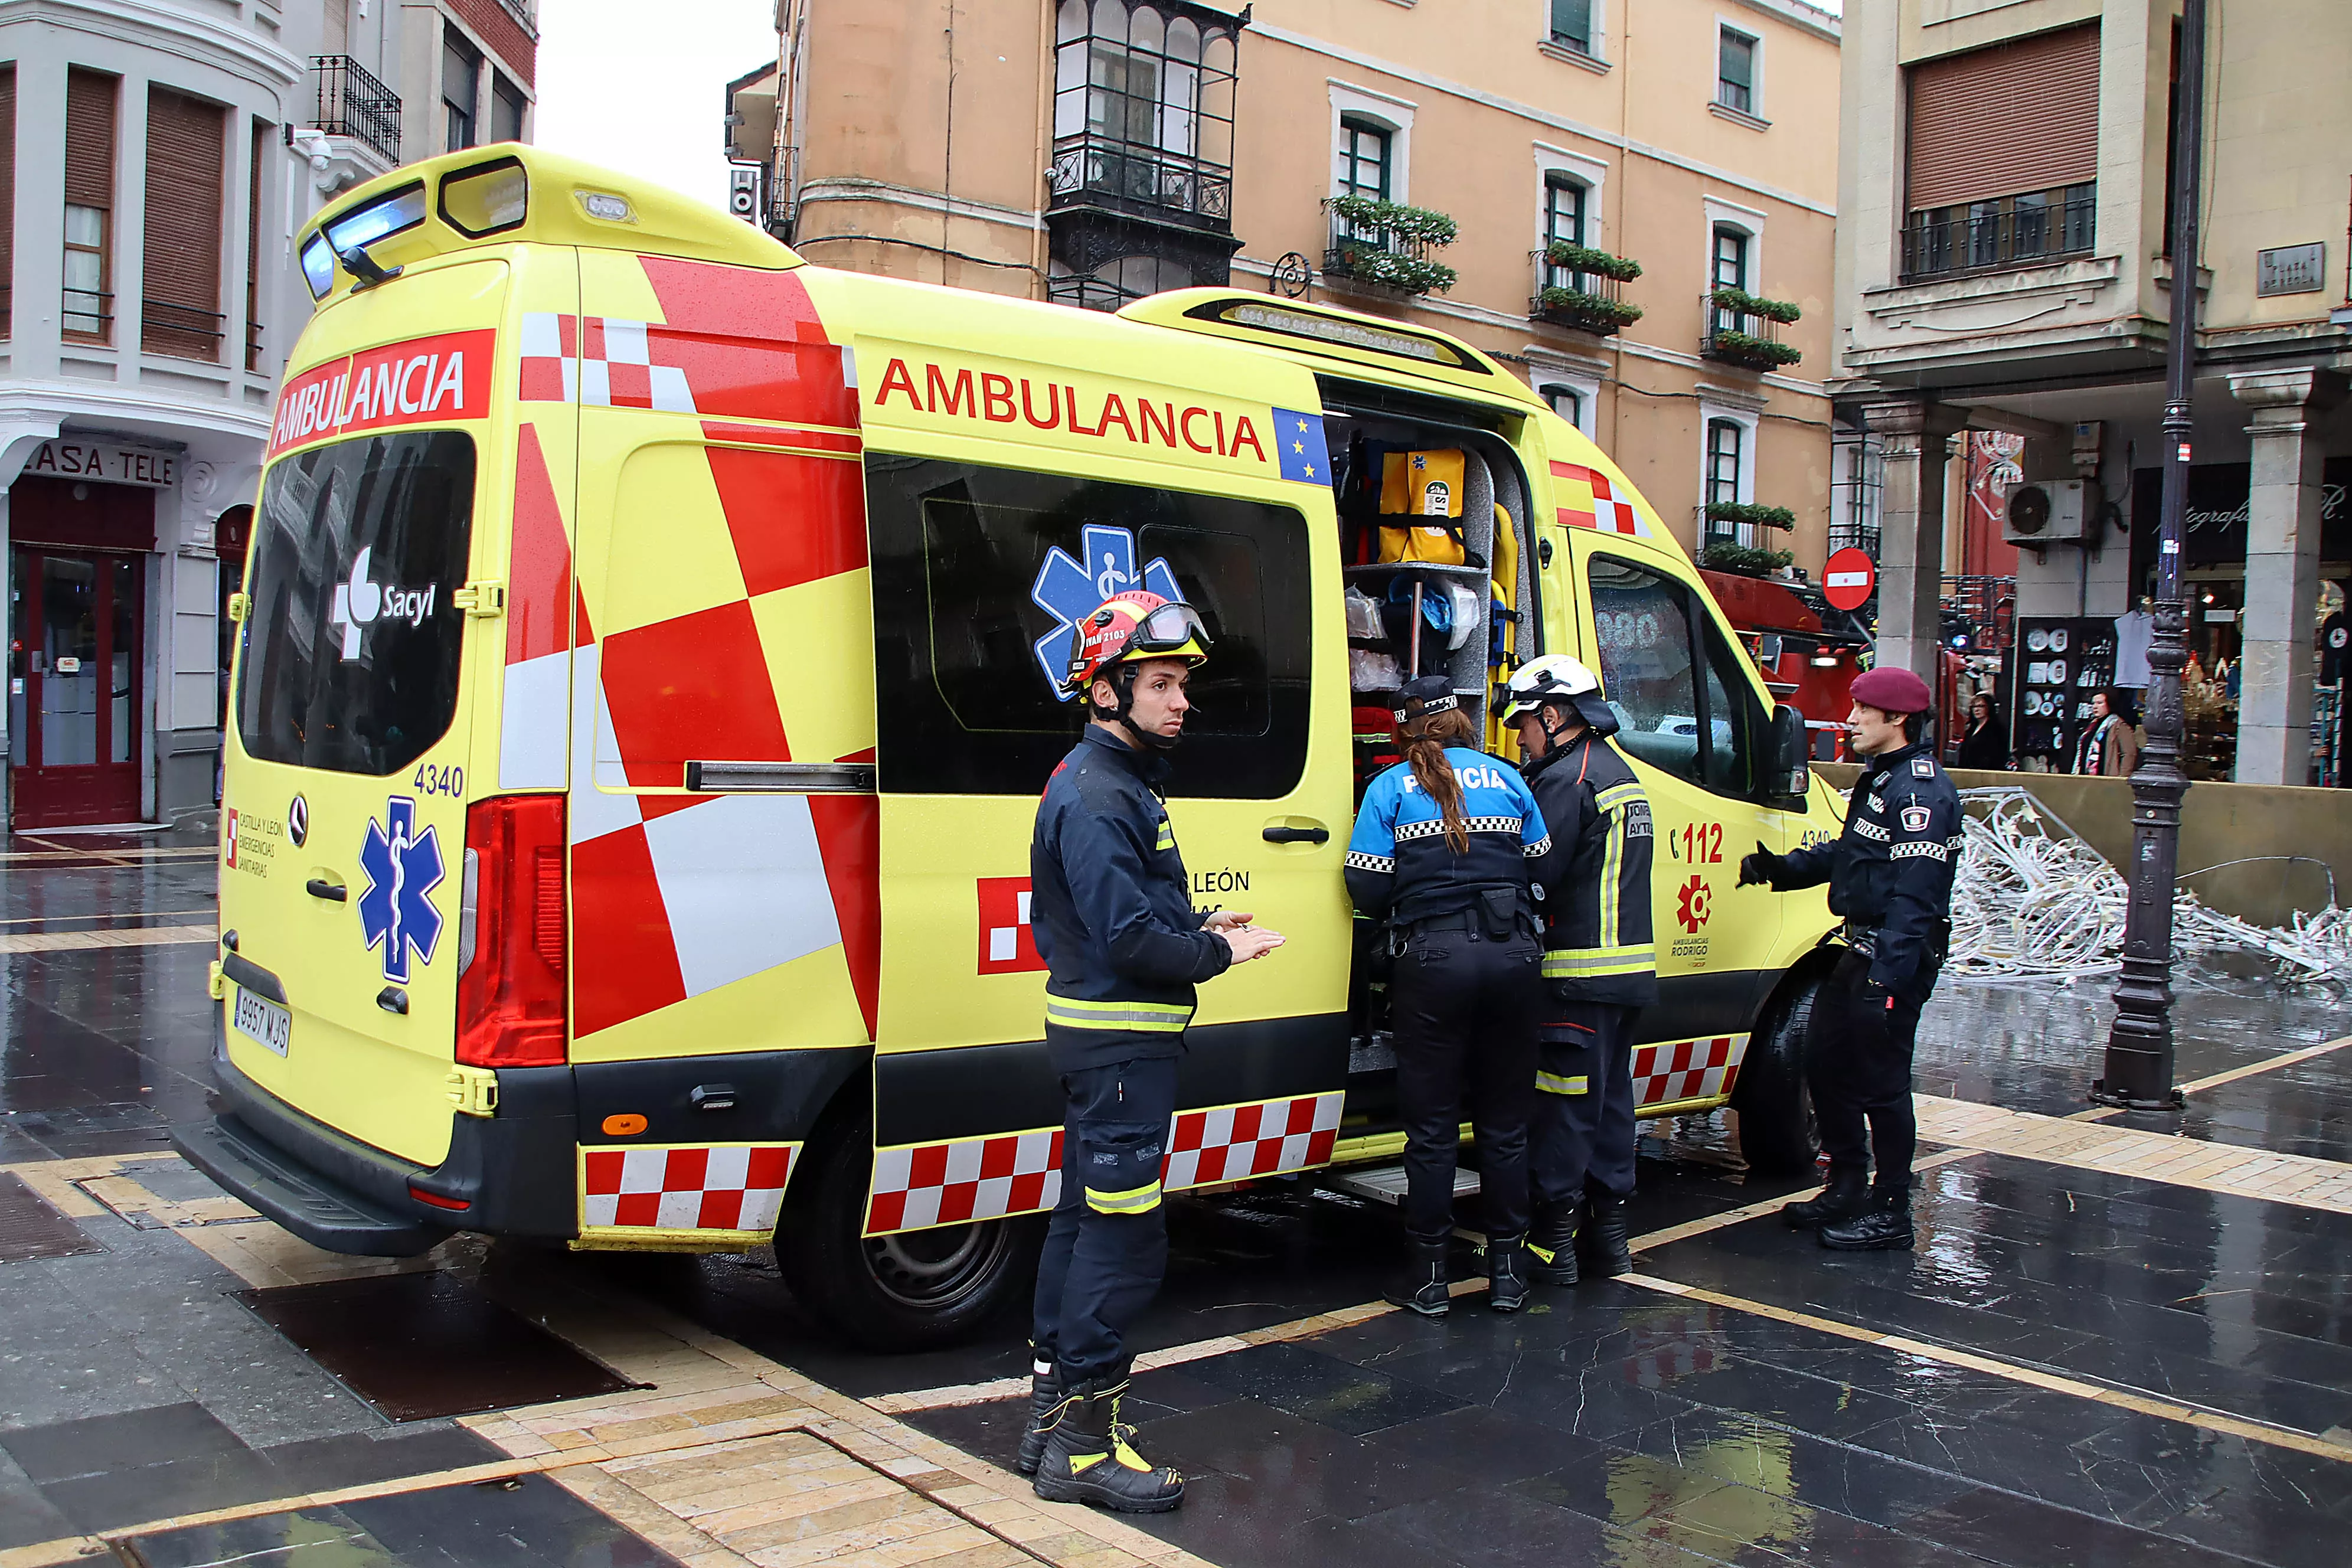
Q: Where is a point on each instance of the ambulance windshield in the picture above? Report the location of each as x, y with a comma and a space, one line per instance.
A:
352, 643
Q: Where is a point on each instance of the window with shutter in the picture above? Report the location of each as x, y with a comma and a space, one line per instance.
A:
180, 308
86, 309
2003, 158
461, 85
1735, 70
255, 171
8, 193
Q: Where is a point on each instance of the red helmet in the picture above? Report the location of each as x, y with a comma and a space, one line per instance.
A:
1138, 625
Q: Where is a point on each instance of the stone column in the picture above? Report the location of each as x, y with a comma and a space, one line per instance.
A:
2275, 673
1916, 438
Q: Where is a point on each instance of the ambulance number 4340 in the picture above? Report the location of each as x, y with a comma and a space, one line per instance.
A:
430, 780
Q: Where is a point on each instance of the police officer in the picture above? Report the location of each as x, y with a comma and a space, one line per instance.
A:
1890, 875
1445, 847
1112, 909
1600, 968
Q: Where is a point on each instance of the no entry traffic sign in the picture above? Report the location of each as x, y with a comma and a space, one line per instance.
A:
1847, 579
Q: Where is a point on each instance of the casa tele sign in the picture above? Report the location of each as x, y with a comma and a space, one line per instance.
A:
106, 462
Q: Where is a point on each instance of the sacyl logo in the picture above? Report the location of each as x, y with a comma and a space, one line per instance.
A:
361, 603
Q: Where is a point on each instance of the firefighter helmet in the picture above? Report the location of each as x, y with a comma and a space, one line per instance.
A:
1135, 625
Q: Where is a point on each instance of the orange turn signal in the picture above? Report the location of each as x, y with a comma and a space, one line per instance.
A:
628, 1124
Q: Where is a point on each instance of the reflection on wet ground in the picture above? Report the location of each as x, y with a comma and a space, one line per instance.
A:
1614, 1423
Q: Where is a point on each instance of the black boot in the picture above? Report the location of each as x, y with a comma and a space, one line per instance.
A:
1420, 1286
1090, 1456
1847, 1195
1045, 1393
1507, 1273
1552, 1246
1884, 1225
1603, 1250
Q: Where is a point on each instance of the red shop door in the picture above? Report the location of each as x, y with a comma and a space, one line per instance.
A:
73, 691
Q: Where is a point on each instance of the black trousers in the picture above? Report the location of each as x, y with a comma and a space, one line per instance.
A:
1106, 1246
1858, 1065
1464, 1007
1582, 1135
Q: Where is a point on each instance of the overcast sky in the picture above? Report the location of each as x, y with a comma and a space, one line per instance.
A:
639, 85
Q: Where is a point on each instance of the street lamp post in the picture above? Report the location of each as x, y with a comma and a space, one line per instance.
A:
2138, 1069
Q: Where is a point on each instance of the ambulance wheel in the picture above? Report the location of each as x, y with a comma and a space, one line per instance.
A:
1778, 1133
912, 1291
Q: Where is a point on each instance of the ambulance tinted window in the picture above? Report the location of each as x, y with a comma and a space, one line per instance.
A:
1683, 700
977, 572
351, 644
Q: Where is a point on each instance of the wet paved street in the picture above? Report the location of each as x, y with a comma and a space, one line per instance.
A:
2112, 1345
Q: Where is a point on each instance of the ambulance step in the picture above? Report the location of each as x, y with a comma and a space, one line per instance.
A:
317, 1210
1385, 1184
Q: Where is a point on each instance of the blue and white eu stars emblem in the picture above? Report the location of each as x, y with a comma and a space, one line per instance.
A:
1070, 590
1299, 445
403, 869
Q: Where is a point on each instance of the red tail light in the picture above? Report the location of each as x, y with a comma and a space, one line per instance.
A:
510, 992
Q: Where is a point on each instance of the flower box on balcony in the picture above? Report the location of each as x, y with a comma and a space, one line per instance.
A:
1746, 560
1385, 246
1753, 353
1741, 302
1586, 312
1749, 512
1585, 258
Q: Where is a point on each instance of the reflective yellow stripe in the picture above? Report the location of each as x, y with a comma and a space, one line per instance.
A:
1166, 833
1612, 869
1589, 963
1553, 1083
1615, 795
1150, 1017
1138, 1200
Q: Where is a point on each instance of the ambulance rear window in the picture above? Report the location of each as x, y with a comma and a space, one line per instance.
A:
980, 571
351, 644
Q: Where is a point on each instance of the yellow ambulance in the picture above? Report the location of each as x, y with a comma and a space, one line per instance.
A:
645, 676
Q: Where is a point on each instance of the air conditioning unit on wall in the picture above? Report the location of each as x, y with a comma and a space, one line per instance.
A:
2047, 511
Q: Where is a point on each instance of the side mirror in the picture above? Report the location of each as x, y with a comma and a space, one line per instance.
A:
1789, 766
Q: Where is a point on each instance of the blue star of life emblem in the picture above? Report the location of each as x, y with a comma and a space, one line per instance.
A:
1069, 590
403, 869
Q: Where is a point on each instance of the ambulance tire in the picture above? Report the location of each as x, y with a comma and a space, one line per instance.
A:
914, 1291
1778, 1133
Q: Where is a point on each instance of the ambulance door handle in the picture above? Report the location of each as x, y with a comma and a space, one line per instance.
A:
319, 888
1296, 836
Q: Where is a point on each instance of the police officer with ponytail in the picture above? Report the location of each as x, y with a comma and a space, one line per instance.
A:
1112, 909
1446, 848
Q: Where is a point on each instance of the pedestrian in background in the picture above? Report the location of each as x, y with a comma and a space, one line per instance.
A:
1890, 875
2109, 745
1984, 745
1446, 847
1599, 969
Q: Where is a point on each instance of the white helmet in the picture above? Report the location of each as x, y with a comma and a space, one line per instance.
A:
1556, 678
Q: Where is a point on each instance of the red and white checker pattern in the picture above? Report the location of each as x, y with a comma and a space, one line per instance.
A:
599, 361
1675, 1070
1235, 1142
689, 1186
925, 1184
1008, 943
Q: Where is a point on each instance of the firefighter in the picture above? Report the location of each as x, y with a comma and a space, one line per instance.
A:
1599, 969
1445, 847
1113, 914
1890, 875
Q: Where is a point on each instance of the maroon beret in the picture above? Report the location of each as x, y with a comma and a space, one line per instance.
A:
1894, 691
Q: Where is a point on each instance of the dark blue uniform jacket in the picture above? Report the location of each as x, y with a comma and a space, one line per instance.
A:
1890, 872
1112, 911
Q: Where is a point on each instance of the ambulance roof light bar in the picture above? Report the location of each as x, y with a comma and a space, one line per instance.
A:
1345, 331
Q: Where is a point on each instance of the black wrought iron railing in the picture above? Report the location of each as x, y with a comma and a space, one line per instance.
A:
88, 312
2013, 231
1127, 174
182, 331
253, 355
352, 103
1736, 334
1589, 301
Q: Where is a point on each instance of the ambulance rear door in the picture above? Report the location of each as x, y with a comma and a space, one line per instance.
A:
1012, 499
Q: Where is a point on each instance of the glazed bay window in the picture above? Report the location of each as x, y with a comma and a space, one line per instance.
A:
2002, 163
1143, 110
1735, 70
87, 307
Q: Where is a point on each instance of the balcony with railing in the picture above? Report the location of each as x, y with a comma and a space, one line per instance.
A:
352, 103
1145, 181
1583, 289
2025, 230
1383, 247
183, 331
1744, 331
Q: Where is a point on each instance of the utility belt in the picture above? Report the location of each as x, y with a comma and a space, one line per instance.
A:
1500, 914
1864, 939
